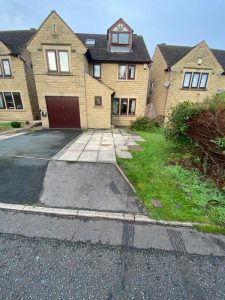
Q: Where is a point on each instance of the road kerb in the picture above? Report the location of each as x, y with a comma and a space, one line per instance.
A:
125, 177
83, 213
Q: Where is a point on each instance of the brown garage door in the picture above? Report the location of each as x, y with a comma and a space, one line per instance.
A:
63, 112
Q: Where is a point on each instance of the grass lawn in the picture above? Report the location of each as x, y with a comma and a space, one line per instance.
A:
183, 193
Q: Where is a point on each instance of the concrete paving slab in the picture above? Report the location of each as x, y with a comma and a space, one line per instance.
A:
88, 156
88, 186
92, 147
105, 140
106, 147
107, 156
123, 154
77, 146
71, 155
122, 148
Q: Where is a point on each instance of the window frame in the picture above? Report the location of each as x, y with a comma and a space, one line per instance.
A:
48, 65
187, 87
116, 99
198, 86
13, 101
131, 65
122, 65
1, 71
3, 98
96, 99
100, 69
129, 99
192, 79
203, 88
57, 59
3, 74
127, 72
13, 95
118, 39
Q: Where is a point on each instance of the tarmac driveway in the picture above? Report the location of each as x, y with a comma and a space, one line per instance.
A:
21, 169
29, 175
39, 144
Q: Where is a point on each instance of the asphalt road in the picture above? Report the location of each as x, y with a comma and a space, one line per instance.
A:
50, 269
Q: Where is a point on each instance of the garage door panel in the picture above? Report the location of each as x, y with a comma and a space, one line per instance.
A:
63, 112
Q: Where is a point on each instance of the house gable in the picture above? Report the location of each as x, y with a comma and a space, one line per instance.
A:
199, 57
4, 50
55, 31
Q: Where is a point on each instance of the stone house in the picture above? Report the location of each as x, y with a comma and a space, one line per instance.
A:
18, 96
181, 73
89, 80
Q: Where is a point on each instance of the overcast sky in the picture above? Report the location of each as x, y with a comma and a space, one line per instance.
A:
175, 22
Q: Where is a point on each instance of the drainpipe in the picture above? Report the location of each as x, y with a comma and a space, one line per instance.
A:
167, 92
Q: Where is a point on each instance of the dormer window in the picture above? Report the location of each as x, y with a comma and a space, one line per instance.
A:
90, 42
120, 37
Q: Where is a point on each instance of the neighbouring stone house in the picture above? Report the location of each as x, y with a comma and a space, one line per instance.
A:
181, 73
89, 80
18, 96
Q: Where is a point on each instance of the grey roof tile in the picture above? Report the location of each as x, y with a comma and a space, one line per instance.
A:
16, 40
99, 52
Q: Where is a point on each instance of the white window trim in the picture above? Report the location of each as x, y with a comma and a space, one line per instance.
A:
126, 115
11, 109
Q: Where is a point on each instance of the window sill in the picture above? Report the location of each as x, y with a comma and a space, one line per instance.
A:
6, 77
124, 116
194, 90
126, 80
11, 110
59, 74
98, 106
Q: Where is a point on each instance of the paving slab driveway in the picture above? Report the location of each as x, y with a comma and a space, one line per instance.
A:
39, 144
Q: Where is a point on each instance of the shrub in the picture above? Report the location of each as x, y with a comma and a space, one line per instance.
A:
178, 120
16, 124
202, 126
177, 126
145, 123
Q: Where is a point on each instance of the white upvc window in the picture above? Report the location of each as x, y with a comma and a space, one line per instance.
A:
10, 100
5, 68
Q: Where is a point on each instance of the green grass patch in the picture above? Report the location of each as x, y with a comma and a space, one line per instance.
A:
5, 124
183, 193
210, 229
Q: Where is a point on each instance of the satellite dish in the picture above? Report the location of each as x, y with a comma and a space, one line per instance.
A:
166, 84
